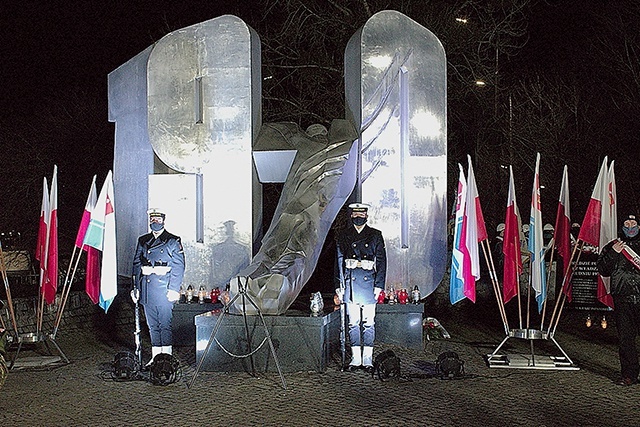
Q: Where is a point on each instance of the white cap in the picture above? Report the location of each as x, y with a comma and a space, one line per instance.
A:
548, 227
155, 212
359, 207
500, 227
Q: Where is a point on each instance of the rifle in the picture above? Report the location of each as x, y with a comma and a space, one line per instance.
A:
343, 321
136, 334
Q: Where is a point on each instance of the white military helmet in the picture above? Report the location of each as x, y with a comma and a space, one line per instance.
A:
500, 227
547, 227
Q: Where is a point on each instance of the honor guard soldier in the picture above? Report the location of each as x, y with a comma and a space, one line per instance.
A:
158, 269
360, 277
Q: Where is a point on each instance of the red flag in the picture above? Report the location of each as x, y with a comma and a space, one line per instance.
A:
51, 282
511, 245
596, 229
42, 228
562, 232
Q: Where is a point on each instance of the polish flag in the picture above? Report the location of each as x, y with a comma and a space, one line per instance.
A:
562, 232
51, 275
511, 245
597, 224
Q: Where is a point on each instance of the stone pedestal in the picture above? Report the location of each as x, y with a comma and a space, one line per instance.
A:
302, 342
399, 324
182, 324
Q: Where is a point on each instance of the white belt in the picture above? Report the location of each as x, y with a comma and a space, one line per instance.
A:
364, 264
159, 270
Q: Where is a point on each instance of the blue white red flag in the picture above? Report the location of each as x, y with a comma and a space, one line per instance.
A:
536, 243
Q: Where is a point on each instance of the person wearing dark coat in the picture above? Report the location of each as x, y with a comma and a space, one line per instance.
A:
616, 260
361, 266
158, 270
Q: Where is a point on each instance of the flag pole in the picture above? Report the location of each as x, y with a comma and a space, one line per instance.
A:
529, 291
494, 282
544, 304
66, 288
518, 289
553, 324
7, 288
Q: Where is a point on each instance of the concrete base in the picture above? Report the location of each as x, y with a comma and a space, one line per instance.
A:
182, 324
302, 342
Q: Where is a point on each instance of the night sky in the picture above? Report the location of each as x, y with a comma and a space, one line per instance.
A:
51, 49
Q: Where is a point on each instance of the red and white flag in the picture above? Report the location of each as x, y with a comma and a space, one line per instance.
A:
597, 224
92, 274
476, 231
43, 235
562, 232
41, 245
51, 275
511, 245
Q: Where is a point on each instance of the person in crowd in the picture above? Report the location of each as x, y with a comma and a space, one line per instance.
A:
618, 261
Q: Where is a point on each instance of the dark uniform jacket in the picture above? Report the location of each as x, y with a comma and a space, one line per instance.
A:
165, 251
368, 245
625, 277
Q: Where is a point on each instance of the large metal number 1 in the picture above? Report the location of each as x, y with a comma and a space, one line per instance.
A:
186, 147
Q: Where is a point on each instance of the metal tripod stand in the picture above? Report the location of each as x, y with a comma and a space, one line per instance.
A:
242, 293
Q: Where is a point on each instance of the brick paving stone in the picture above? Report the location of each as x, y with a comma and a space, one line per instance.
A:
82, 393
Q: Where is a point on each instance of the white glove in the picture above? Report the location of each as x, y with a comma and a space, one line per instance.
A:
376, 292
135, 295
172, 295
340, 294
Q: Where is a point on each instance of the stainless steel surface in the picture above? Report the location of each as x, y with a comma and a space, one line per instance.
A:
190, 105
395, 79
321, 179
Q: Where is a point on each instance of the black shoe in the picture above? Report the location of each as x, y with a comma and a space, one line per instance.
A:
625, 381
368, 369
352, 368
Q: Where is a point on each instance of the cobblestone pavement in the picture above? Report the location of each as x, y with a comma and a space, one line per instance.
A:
82, 392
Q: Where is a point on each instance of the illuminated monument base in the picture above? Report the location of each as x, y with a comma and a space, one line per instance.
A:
302, 342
